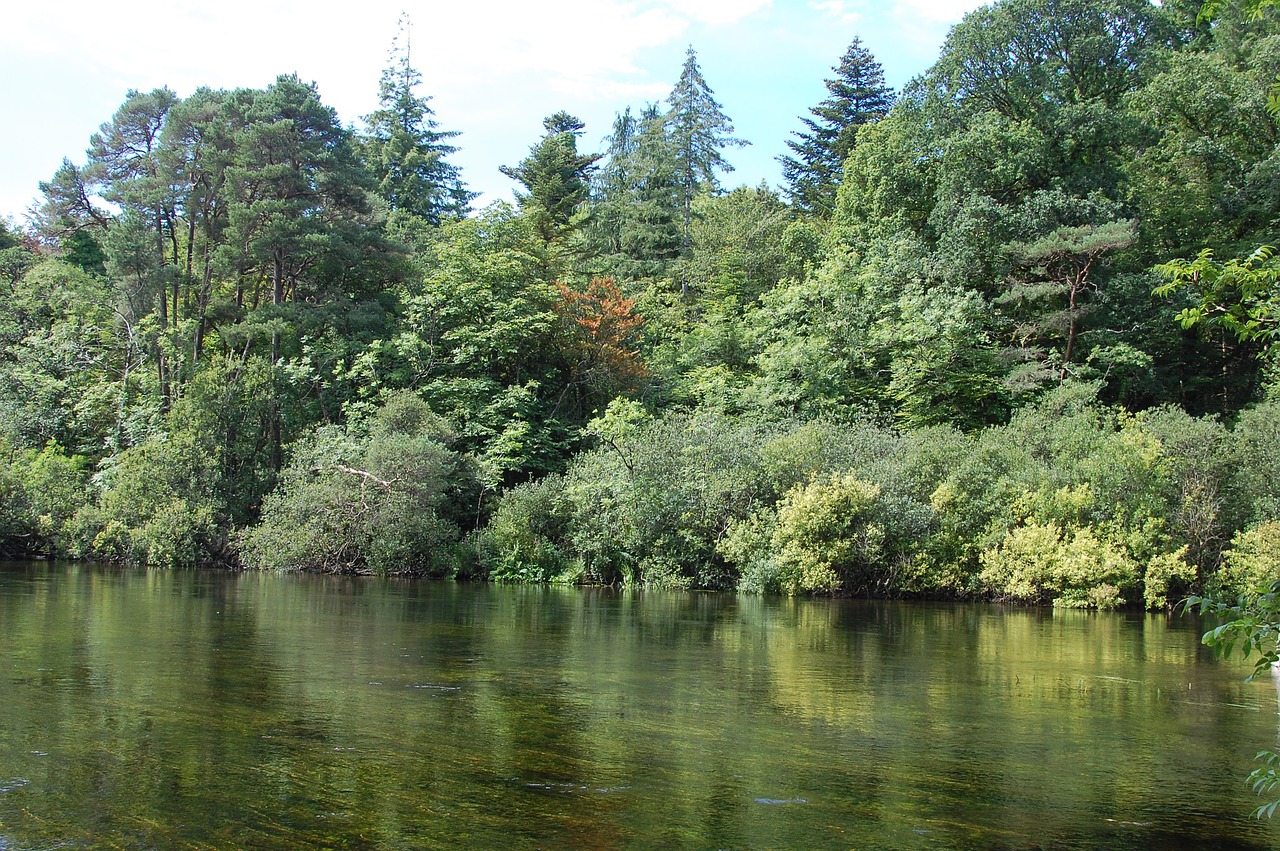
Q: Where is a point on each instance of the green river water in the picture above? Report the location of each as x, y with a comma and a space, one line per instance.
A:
218, 710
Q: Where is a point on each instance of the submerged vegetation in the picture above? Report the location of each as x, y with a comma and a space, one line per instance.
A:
982, 345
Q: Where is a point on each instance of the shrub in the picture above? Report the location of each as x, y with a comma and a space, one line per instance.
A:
350, 504
1251, 565
748, 544
529, 531
158, 506
1168, 575
1039, 563
57, 486
1254, 482
827, 536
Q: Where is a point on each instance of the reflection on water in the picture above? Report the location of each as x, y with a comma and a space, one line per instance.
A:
161, 709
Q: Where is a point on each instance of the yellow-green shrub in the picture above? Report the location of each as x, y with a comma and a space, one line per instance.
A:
827, 537
1252, 563
1038, 563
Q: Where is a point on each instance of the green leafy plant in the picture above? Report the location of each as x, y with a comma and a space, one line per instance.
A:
1250, 625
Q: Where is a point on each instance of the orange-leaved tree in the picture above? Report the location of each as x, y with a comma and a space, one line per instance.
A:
603, 332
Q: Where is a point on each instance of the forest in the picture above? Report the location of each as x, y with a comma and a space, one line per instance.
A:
1010, 333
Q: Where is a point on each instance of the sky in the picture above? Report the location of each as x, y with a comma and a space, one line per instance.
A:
493, 68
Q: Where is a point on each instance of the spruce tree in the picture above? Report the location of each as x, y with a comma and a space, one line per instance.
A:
698, 131
555, 176
858, 96
611, 190
636, 221
651, 229
406, 150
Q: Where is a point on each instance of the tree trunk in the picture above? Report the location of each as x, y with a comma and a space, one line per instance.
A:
162, 370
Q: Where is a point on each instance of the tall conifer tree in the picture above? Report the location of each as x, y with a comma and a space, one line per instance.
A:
651, 234
698, 131
637, 200
858, 95
555, 176
612, 187
406, 150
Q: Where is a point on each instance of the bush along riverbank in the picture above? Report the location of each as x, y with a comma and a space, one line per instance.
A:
1072, 503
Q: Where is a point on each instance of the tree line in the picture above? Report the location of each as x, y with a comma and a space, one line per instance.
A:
988, 340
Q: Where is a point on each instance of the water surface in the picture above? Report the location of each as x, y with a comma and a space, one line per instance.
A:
206, 709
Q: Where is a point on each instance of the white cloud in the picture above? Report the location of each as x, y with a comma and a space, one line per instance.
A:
919, 16
494, 68
935, 11
719, 12
838, 9
578, 46
904, 34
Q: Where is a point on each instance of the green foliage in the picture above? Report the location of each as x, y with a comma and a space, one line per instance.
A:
942, 369
1064, 467
698, 130
1204, 180
694, 501
157, 507
1033, 59
1037, 564
749, 545
1166, 580
1239, 294
654, 503
1059, 268
858, 96
826, 536
15, 513
40, 491
481, 339
1264, 780
738, 250
1251, 565
529, 531
1252, 484
1196, 465
873, 331
57, 485
57, 339
362, 503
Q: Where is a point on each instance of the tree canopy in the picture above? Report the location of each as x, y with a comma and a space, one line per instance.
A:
242, 332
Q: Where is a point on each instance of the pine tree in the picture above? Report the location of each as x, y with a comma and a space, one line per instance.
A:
651, 230
636, 221
404, 148
858, 96
698, 131
556, 177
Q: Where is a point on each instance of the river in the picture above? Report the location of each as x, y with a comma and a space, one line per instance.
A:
149, 709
